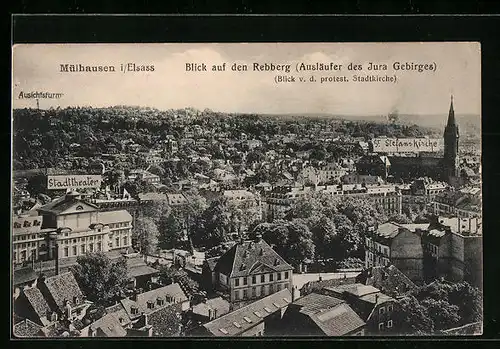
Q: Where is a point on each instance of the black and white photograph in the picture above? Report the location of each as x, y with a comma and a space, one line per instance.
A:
246, 190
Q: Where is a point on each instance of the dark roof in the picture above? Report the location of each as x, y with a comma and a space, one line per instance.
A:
389, 280
314, 302
37, 301
141, 270
240, 320
251, 257
26, 329
24, 275
62, 288
212, 262
312, 286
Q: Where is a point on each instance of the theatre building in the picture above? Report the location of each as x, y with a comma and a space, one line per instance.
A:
79, 227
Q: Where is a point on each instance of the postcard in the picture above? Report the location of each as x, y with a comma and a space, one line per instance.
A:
246, 189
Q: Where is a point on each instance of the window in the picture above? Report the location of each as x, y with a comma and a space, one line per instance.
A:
381, 326
389, 324
98, 246
237, 282
245, 281
271, 289
381, 310
66, 252
278, 287
125, 241
286, 275
74, 251
254, 292
236, 295
134, 310
271, 277
262, 278
245, 294
254, 279
279, 276
389, 308
263, 290
91, 248
27, 224
82, 249
151, 305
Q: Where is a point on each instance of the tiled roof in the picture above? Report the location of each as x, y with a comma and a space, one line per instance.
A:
166, 321
212, 262
388, 230
318, 285
219, 304
119, 313
141, 270
315, 302
389, 280
240, 320
337, 321
37, 301
114, 216
357, 289
62, 288
173, 290
108, 326
24, 275
249, 257
26, 329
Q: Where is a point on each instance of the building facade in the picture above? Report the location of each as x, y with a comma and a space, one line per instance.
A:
251, 270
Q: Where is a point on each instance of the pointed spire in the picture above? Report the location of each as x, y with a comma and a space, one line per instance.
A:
451, 114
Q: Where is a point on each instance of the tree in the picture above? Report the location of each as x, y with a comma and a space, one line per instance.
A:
99, 278
470, 301
170, 231
37, 185
299, 246
443, 314
400, 218
146, 235
214, 224
413, 317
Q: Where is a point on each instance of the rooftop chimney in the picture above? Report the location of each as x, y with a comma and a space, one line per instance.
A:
376, 298
258, 237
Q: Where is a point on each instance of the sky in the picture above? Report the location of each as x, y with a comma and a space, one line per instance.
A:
170, 86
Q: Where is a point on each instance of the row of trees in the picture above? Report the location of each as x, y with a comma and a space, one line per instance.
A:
439, 306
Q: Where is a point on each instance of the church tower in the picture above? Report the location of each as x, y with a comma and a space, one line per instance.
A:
451, 135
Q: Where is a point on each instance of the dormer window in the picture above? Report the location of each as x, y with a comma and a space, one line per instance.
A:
27, 224
75, 300
79, 208
151, 304
134, 310
243, 267
17, 225
160, 301
276, 261
36, 222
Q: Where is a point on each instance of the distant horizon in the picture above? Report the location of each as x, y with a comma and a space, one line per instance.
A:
175, 83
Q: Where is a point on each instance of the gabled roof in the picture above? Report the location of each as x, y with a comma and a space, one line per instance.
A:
338, 320
62, 204
314, 302
173, 290
219, 304
24, 275
108, 326
389, 280
245, 256
62, 288
26, 329
240, 320
37, 301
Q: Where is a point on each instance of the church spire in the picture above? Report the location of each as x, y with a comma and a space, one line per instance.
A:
451, 114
